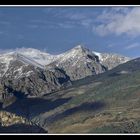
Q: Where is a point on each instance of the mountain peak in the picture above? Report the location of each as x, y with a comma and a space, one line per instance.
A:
80, 47
77, 51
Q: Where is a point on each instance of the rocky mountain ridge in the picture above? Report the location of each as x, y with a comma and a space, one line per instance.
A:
30, 72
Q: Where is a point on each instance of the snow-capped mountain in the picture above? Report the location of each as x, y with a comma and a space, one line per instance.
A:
21, 75
73, 61
109, 60
35, 73
78, 63
8, 58
78, 52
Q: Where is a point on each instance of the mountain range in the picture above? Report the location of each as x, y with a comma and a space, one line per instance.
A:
46, 89
77, 57
35, 73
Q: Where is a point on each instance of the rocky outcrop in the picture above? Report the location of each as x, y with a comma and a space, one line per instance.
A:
10, 123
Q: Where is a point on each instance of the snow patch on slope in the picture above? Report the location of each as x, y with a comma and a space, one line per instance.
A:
99, 55
42, 58
27, 60
5, 60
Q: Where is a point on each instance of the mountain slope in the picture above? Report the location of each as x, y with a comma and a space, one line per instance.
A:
104, 103
23, 76
107, 103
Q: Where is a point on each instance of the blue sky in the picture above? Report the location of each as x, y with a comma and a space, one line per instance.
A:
57, 29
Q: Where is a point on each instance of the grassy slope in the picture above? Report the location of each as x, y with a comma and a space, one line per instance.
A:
104, 104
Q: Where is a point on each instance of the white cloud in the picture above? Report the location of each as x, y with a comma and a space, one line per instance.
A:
105, 21
132, 46
119, 22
